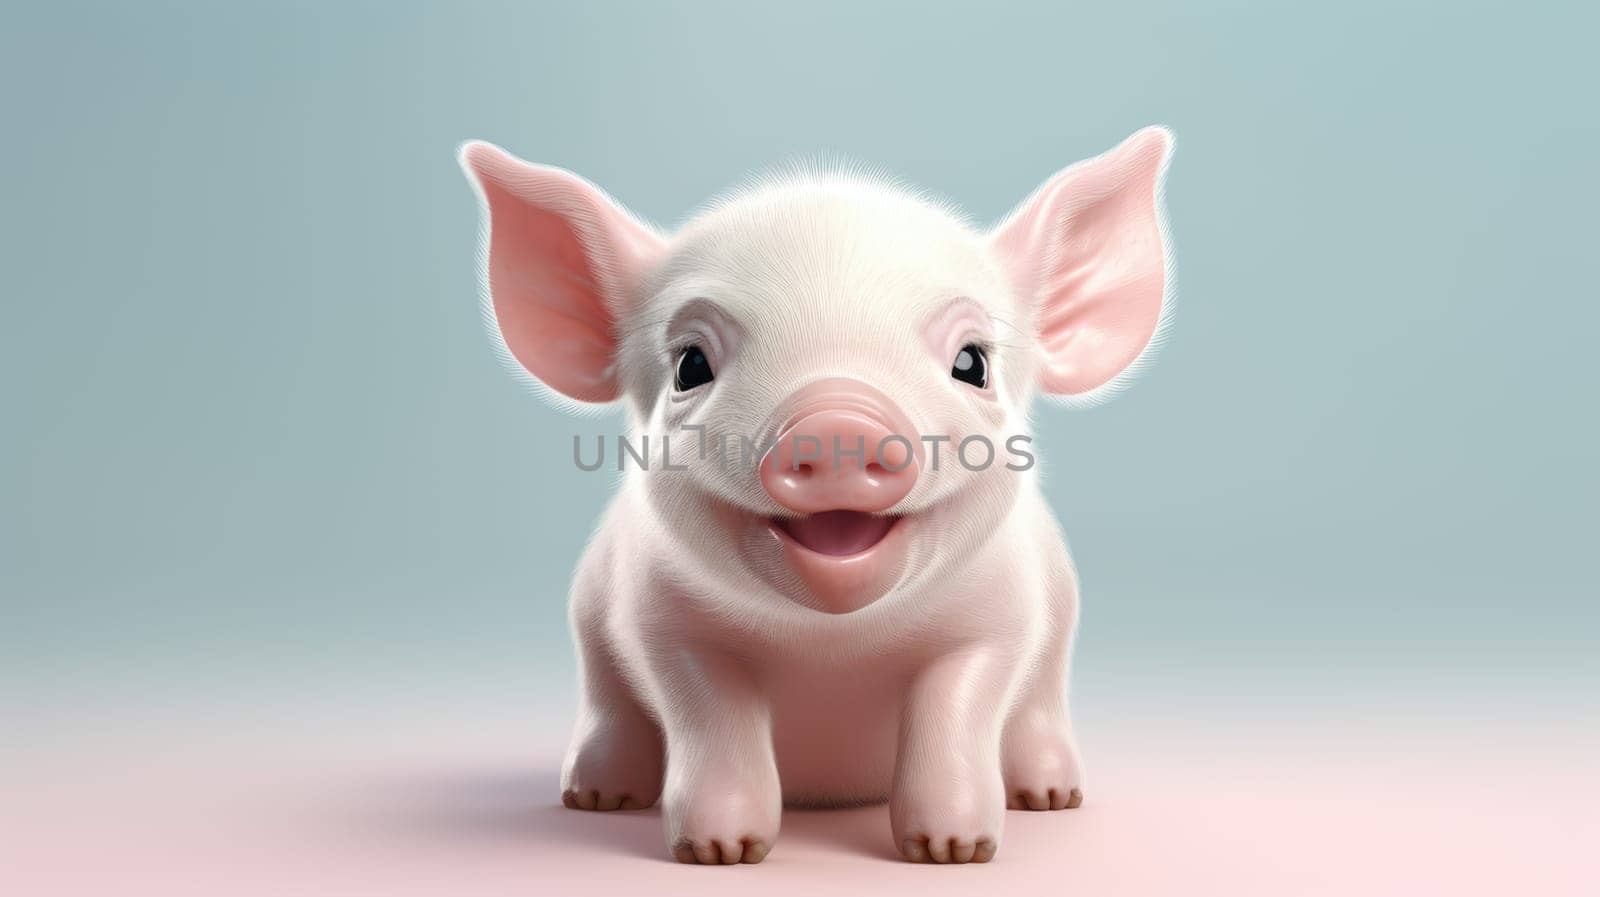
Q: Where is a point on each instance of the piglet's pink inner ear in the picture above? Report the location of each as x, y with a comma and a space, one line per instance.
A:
1087, 250
562, 262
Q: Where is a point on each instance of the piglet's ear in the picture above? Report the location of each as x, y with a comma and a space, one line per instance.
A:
562, 261
1087, 249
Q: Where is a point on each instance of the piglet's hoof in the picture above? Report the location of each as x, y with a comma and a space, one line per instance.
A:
614, 767
1045, 799
922, 849
592, 799
720, 852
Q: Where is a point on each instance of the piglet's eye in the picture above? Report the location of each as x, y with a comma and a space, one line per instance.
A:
694, 369
972, 366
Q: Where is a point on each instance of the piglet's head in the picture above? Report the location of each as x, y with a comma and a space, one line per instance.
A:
842, 368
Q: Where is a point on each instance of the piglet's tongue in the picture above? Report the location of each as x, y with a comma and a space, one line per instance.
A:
838, 532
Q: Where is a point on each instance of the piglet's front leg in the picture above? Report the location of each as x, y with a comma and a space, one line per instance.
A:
948, 803
722, 801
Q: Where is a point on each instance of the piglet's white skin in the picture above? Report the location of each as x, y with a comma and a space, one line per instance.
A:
834, 627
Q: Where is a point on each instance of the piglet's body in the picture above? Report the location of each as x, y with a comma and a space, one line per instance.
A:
846, 587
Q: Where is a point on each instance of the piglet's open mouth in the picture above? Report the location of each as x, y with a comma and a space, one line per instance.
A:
837, 533
846, 559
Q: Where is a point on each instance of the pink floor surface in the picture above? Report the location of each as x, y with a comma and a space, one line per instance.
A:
1389, 808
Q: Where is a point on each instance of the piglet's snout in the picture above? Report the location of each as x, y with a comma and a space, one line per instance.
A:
846, 447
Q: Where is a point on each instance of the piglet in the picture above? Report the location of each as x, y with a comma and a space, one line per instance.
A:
825, 596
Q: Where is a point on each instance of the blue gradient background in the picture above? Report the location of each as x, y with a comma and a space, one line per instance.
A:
256, 446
